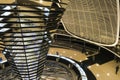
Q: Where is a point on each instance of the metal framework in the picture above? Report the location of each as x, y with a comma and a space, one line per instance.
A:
24, 30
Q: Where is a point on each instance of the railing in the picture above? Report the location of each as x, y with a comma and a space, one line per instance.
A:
59, 38
71, 64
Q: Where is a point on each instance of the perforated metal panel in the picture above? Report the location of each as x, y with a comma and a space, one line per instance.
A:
96, 21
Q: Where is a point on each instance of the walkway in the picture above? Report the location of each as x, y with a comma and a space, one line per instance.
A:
104, 71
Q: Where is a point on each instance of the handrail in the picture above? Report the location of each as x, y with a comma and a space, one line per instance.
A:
81, 71
85, 41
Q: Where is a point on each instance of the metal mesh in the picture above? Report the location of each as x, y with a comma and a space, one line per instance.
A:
93, 20
24, 30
